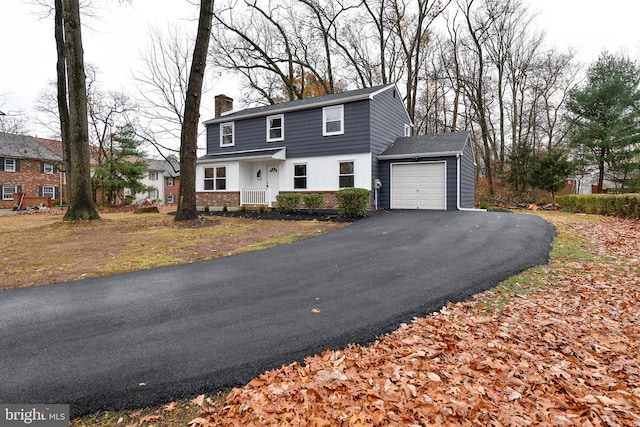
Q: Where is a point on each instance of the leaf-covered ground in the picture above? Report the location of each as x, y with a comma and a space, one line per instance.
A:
563, 352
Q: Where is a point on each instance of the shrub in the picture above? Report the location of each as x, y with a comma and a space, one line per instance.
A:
225, 208
262, 208
353, 202
206, 207
312, 202
484, 205
623, 205
288, 202
242, 208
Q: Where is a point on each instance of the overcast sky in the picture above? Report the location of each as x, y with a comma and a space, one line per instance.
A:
116, 41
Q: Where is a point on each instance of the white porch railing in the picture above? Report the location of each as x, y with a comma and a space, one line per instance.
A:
255, 196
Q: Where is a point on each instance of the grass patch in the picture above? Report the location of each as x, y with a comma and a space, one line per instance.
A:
173, 414
569, 253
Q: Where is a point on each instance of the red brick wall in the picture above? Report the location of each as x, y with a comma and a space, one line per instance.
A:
218, 199
30, 178
232, 199
175, 190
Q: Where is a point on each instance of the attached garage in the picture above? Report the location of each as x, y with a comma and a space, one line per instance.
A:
419, 186
433, 172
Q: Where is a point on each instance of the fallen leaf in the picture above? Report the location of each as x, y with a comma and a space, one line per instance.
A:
315, 310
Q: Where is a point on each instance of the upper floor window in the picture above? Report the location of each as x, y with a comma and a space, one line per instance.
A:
299, 176
346, 175
407, 130
215, 178
333, 120
153, 175
10, 165
47, 168
227, 134
170, 181
275, 128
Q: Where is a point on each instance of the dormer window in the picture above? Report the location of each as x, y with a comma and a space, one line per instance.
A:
407, 130
227, 135
275, 128
333, 120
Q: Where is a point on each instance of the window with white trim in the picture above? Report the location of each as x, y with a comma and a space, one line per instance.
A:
153, 194
215, 178
8, 190
227, 134
300, 176
275, 128
170, 182
333, 120
346, 177
48, 191
407, 130
171, 198
9, 166
47, 168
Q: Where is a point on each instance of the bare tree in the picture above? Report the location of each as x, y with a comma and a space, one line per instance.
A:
189, 134
11, 121
163, 87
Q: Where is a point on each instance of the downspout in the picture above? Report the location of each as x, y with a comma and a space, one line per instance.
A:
460, 208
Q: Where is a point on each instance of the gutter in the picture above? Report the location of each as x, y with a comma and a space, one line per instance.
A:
418, 155
460, 208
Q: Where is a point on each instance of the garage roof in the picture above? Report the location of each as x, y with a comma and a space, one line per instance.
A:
437, 145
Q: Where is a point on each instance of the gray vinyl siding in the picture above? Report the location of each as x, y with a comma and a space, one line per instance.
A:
387, 120
302, 133
467, 177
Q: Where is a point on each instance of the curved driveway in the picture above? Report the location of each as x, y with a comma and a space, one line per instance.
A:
152, 336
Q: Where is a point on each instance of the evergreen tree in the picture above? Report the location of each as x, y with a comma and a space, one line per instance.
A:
124, 167
605, 115
549, 172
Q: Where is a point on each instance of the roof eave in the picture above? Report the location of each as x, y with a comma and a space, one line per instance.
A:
418, 155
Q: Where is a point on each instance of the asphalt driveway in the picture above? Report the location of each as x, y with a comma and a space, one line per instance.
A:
148, 337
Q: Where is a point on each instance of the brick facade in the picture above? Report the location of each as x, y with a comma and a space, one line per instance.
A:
173, 190
216, 200
30, 178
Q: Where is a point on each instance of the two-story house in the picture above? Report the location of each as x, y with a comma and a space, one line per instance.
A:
327, 143
28, 168
163, 182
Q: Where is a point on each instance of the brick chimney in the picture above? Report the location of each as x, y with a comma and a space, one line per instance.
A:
223, 104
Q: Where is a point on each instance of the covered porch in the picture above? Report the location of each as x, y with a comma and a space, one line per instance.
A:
259, 173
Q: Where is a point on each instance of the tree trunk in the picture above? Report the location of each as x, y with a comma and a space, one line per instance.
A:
63, 108
189, 133
81, 204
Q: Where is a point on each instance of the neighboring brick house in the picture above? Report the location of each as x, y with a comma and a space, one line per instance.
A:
31, 168
163, 181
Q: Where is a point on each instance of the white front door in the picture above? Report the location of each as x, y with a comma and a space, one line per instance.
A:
273, 179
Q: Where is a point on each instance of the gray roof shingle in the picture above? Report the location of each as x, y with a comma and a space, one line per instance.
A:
25, 147
334, 98
437, 145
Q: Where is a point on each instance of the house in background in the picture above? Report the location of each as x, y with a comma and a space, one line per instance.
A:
327, 143
163, 180
32, 167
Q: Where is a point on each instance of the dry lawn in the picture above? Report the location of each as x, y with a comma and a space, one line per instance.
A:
42, 249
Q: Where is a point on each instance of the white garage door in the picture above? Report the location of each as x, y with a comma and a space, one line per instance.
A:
418, 186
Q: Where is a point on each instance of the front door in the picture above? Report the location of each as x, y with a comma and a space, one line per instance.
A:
273, 179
